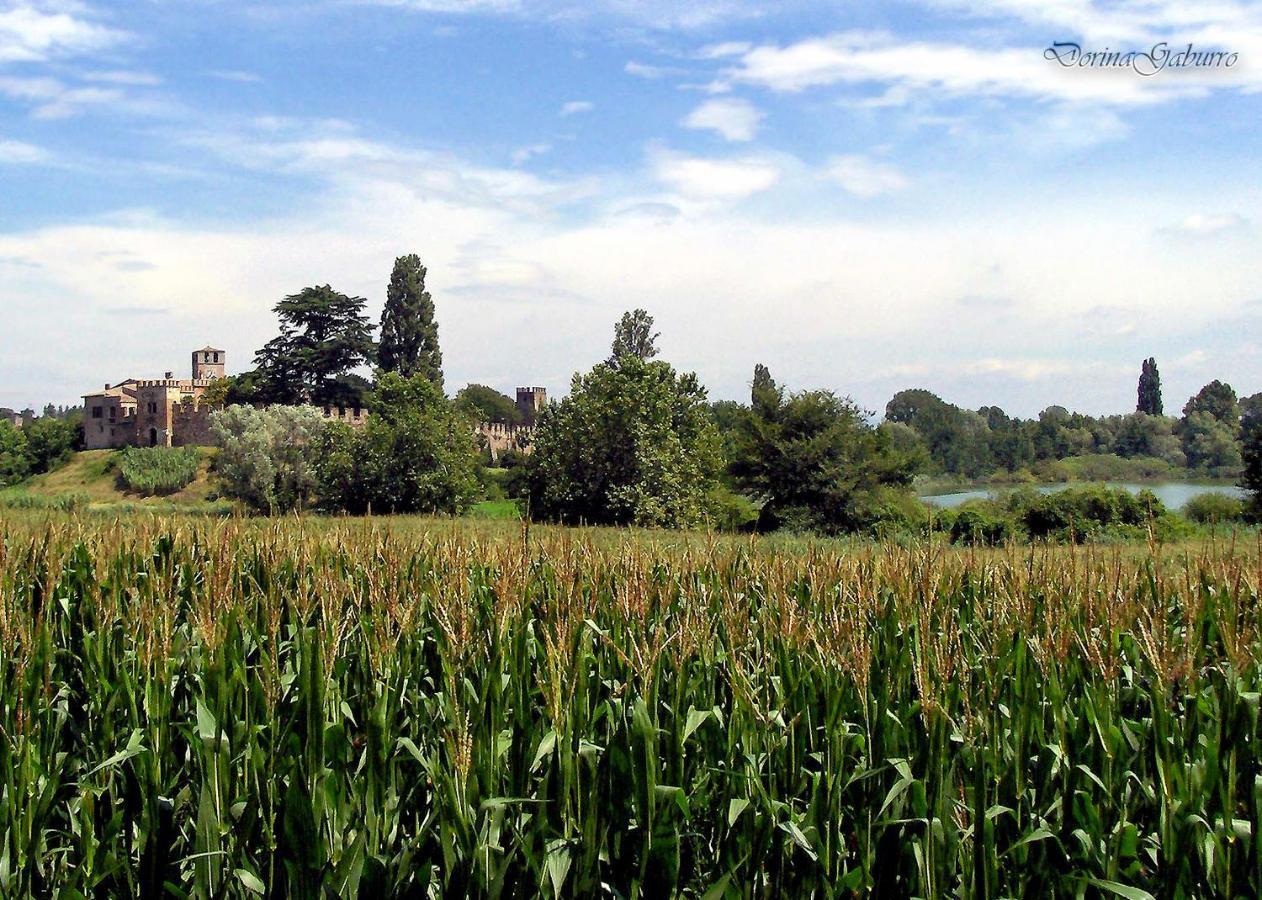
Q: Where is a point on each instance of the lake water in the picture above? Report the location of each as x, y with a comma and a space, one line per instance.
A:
1174, 494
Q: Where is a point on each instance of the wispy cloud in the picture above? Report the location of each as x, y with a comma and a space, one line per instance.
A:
956, 70
35, 32
865, 177
733, 118
715, 179
21, 153
575, 107
235, 75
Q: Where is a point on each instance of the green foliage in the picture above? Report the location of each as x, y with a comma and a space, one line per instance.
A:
323, 336
1149, 389
268, 457
1213, 509
632, 444
15, 463
50, 442
157, 471
409, 332
1210, 444
486, 404
815, 462
415, 453
977, 525
730, 511
233, 710
633, 336
1216, 399
1251, 455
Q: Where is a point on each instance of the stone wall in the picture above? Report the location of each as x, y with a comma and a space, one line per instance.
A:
500, 437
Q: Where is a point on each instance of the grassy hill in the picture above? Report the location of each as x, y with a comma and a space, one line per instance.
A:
91, 479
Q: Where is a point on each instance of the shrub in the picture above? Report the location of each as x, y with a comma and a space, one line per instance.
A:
157, 471
416, 453
1212, 509
974, 525
267, 456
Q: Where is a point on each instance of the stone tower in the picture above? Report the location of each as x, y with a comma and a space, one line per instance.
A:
530, 400
208, 363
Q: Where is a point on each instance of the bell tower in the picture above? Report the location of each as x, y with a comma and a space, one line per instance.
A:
208, 363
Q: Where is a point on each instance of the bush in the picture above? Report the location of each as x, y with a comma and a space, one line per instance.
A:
730, 511
268, 456
158, 471
974, 525
415, 454
1212, 509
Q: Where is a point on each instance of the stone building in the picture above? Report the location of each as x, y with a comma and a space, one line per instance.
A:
500, 436
168, 412
153, 412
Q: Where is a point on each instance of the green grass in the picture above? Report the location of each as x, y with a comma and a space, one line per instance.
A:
496, 509
91, 480
412, 707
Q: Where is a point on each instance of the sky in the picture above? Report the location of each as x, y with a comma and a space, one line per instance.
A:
865, 197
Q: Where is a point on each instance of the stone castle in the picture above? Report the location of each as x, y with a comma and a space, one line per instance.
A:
169, 412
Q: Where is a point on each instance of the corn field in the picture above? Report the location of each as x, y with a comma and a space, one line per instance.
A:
340, 709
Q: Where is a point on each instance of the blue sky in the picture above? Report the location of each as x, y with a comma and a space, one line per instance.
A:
865, 197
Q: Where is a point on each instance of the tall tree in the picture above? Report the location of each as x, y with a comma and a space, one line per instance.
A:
1149, 389
1219, 400
1251, 451
816, 463
409, 332
324, 334
633, 336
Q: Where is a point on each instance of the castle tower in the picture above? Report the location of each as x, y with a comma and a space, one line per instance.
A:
530, 401
208, 363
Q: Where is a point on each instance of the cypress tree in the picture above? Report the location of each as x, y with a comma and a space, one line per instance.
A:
1149, 389
409, 333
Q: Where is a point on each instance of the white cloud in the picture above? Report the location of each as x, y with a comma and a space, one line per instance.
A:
575, 107
733, 118
19, 152
715, 179
865, 177
651, 72
1201, 224
236, 75
522, 155
123, 77
30, 33
957, 69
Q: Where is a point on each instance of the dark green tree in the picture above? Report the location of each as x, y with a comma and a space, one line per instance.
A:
1219, 400
817, 464
1251, 453
324, 334
1149, 401
632, 444
633, 336
14, 463
50, 442
415, 453
409, 332
486, 404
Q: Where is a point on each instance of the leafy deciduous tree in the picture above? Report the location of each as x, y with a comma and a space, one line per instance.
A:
632, 444
415, 453
409, 332
633, 336
267, 457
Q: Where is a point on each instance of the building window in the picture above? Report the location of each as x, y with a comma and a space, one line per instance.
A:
96, 412
153, 408
216, 357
